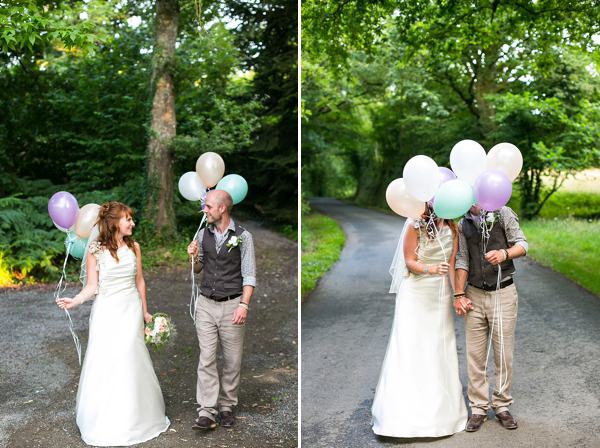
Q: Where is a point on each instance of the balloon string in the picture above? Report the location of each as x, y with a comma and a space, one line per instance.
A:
485, 232
500, 332
194, 297
59, 289
441, 321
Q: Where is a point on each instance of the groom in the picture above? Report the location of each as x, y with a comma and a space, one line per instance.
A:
478, 265
226, 253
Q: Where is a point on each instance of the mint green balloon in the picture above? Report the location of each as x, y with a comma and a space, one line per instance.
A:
453, 199
77, 245
235, 185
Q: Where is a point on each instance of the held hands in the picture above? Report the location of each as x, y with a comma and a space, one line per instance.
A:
462, 305
193, 249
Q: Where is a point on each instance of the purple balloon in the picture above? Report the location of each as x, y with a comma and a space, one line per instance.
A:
492, 190
63, 209
446, 175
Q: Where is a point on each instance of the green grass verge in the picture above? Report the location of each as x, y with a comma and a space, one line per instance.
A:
322, 243
569, 246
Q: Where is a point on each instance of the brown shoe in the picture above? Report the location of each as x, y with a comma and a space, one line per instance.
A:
204, 423
507, 420
227, 419
475, 422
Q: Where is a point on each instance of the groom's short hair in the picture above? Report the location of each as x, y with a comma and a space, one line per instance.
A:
225, 198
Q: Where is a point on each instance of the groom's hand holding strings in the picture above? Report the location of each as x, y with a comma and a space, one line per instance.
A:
496, 256
193, 249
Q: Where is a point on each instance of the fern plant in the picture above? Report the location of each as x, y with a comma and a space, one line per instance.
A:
29, 242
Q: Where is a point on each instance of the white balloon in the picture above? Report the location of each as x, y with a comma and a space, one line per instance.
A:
468, 160
401, 201
422, 177
62, 229
507, 158
191, 187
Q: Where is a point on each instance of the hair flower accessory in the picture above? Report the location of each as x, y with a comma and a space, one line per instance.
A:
234, 241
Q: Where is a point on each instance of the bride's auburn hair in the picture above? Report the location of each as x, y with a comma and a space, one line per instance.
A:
108, 226
427, 224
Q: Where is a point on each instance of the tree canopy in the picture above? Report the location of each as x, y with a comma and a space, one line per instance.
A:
425, 75
78, 106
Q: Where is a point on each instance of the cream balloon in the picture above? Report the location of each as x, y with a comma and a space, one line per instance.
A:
86, 219
507, 158
422, 177
468, 160
210, 168
401, 201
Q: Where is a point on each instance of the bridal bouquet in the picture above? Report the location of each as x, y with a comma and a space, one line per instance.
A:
158, 331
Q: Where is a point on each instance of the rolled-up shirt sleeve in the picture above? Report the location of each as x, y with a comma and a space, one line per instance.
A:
510, 223
462, 255
199, 239
248, 260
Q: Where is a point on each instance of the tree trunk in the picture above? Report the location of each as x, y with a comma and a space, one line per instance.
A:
159, 206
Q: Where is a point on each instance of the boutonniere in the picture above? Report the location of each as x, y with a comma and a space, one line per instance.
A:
234, 241
491, 218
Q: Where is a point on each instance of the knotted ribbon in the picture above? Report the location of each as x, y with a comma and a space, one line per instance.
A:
60, 288
433, 231
194, 297
497, 315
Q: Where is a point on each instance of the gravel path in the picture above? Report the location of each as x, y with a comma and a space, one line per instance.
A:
39, 370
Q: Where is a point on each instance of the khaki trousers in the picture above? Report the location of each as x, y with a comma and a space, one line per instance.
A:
478, 324
213, 324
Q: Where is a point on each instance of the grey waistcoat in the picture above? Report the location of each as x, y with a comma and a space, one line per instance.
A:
480, 270
223, 270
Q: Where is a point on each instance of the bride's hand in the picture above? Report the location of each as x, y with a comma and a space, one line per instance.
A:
147, 317
66, 303
442, 268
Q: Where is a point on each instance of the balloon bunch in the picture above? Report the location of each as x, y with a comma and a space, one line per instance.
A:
475, 178
77, 223
210, 168
195, 185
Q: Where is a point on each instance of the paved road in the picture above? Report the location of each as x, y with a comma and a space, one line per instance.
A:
347, 320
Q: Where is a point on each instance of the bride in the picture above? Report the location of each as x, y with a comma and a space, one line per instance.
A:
419, 393
119, 401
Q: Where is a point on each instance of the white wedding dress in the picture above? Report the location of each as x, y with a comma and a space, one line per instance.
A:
119, 401
419, 393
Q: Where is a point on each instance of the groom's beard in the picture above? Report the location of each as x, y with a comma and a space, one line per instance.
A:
214, 221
